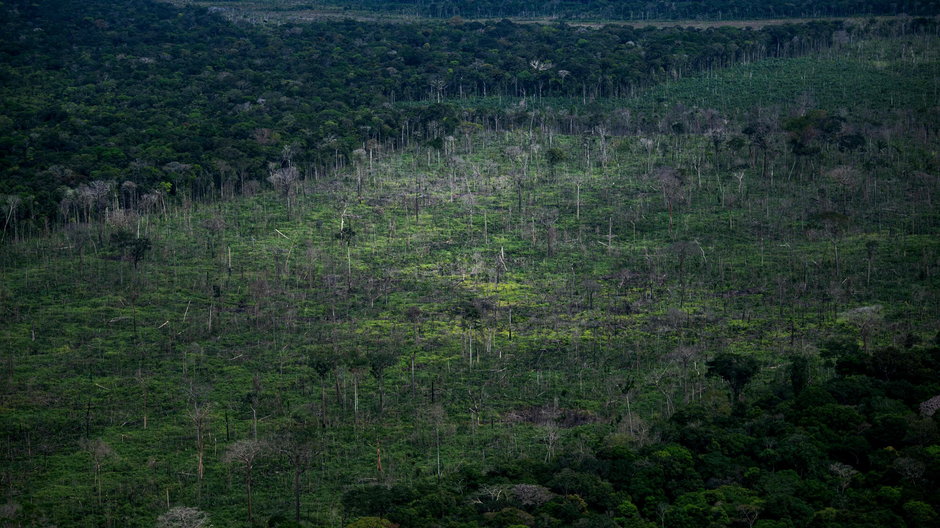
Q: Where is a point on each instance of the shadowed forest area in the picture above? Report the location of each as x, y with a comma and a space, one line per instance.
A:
576, 10
442, 273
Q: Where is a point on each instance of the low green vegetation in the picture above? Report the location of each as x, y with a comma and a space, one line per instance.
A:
524, 327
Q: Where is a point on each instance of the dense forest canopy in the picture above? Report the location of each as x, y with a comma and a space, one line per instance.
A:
624, 9
105, 91
452, 274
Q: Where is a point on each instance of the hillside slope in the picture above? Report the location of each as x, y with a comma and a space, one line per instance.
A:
639, 324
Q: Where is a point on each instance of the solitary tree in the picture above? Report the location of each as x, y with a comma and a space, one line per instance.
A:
345, 235
133, 248
200, 415
799, 373
100, 452
735, 369
379, 361
553, 157
245, 453
299, 452
284, 180
10, 204
867, 319
670, 182
759, 134
184, 517
844, 474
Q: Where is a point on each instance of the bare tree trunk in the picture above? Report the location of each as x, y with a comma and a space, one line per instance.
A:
356, 396
248, 484
254, 422
382, 394
325, 419
98, 480
413, 384
297, 474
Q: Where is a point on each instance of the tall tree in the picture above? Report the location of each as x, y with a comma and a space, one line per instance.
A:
100, 452
245, 453
299, 452
736, 370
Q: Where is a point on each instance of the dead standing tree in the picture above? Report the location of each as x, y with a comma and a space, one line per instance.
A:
100, 452
184, 517
346, 235
670, 183
415, 317
245, 453
10, 204
284, 180
199, 415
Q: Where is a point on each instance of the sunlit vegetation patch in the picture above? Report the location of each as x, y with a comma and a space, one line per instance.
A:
682, 306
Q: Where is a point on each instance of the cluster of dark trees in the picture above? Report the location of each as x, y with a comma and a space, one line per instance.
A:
109, 108
643, 9
856, 450
163, 99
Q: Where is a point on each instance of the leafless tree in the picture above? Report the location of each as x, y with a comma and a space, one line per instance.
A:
682, 251
153, 202
438, 84
531, 494
437, 416
10, 204
199, 415
94, 197
129, 194
844, 474
930, 407
867, 319
909, 468
650, 146
716, 129
100, 452
494, 492
184, 517
245, 453
749, 513
284, 180
550, 430
670, 183
549, 219
540, 65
